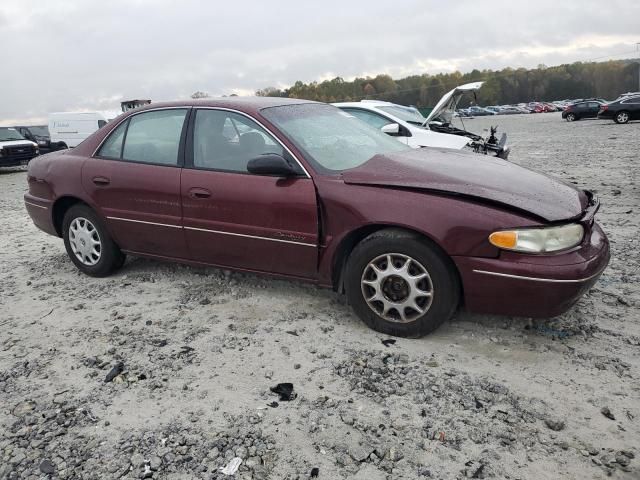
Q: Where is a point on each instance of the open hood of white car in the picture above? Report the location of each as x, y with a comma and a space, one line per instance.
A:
445, 108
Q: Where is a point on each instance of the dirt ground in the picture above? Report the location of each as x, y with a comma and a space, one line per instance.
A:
483, 397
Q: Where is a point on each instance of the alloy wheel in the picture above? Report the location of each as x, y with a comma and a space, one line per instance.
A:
85, 241
623, 117
397, 287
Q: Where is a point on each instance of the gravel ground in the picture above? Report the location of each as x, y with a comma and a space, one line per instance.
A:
192, 354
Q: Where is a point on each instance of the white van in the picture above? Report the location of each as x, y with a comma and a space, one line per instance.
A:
68, 129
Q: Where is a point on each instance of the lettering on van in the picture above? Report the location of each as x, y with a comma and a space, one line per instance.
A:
60, 124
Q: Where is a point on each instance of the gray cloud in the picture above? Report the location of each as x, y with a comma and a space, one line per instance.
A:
66, 54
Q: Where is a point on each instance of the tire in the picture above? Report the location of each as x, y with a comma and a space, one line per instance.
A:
81, 229
621, 117
404, 248
571, 117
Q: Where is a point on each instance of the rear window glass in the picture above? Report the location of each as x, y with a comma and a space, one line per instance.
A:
112, 148
154, 137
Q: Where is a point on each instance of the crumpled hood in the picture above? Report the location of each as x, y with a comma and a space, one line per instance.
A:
479, 176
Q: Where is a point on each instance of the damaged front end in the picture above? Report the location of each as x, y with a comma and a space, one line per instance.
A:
441, 117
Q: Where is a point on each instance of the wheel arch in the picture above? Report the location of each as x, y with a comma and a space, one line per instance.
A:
354, 237
60, 207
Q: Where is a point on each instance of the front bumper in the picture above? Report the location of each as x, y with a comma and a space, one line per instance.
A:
533, 285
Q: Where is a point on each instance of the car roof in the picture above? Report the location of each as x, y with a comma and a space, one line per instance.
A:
245, 104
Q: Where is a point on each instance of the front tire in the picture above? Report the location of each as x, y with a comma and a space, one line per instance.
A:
621, 117
400, 284
88, 243
571, 117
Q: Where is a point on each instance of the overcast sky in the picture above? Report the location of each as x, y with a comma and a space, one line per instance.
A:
63, 55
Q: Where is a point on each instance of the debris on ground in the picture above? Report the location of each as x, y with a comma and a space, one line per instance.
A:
285, 391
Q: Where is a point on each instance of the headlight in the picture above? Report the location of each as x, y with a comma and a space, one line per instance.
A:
42, 143
539, 240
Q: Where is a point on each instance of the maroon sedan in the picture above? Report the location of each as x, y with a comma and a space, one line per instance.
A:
304, 190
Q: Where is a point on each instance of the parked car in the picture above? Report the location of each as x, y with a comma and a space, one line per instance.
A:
38, 134
477, 111
403, 123
621, 110
535, 107
510, 110
68, 129
298, 189
409, 126
581, 110
15, 149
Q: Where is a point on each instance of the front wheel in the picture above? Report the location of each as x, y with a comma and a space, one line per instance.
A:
621, 117
88, 243
400, 284
571, 117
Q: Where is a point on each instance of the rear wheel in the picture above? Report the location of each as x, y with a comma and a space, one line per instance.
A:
571, 117
621, 117
400, 284
88, 243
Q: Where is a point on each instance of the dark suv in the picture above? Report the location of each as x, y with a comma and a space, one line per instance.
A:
40, 135
622, 110
584, 109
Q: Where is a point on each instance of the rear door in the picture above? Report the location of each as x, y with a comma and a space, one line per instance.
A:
134, 179
592, 109
237, 219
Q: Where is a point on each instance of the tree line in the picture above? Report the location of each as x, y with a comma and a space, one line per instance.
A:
506, 86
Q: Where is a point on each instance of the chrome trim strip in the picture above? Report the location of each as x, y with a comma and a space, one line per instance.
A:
35, 205
535, 279
215, 231
251, 236
197, 107
142, 221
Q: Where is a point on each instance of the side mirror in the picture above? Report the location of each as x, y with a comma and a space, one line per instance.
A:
391, 129
271, 164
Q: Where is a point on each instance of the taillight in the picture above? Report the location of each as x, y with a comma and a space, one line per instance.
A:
604, 107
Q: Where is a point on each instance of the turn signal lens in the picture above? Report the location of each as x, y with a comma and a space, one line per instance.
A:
539, 240
504, 239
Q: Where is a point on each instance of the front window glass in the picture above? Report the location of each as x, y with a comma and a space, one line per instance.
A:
332, 140
408, 114
39, 131
7, 134
226, 141
371, 118
154, 137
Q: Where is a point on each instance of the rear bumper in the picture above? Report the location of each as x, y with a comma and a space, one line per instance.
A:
39, 210
533, 285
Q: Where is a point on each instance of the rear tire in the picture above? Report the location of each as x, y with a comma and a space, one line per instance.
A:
88, 243
621, 117
571, 117
382, 295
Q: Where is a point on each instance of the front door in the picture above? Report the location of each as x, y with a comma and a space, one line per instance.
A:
135, 182
240, 220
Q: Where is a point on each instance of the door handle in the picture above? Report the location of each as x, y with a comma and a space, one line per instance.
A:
101, 181
199, 193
